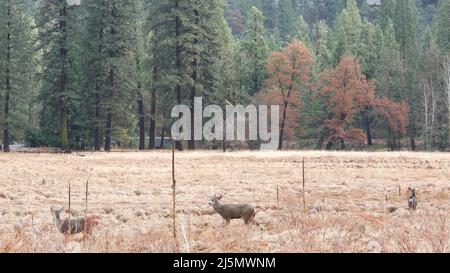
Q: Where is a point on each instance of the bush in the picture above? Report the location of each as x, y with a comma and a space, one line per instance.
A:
34, 138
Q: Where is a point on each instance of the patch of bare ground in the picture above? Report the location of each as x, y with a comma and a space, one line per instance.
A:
354, 202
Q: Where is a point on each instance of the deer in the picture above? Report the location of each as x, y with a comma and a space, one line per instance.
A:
412, 201
233, 211
76, 225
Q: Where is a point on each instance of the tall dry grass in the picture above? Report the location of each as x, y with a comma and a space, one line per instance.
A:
350, 203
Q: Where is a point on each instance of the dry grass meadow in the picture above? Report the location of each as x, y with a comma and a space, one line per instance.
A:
351, 203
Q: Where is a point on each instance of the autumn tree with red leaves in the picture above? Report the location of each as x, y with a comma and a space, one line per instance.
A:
289, 72
348, 93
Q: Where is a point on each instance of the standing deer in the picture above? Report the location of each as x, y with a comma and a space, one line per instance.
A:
412, 201
74, 226
233, 211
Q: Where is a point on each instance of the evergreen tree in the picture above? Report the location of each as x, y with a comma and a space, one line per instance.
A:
95, 68
348, 32
118, 28
303, 33
405, 24
255, 51
387, 12
443, 26
53, 23
16, 63
390, 79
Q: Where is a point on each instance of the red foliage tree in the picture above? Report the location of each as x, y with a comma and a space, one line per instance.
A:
348, 93
289, 71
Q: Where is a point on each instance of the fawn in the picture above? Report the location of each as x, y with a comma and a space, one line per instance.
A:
412, 201
233, 211
76, 225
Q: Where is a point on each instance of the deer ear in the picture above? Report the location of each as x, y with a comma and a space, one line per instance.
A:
219, 196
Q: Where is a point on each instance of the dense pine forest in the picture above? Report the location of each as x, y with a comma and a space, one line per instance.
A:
104, 74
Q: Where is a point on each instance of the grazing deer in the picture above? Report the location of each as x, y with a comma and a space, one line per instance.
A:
74, 226
412, 201
233, 211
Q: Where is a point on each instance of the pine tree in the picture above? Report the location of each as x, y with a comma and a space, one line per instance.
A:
53, 25
118, 18
138, 52
187, 50
303, 33
255, 51
288, 24
15, 62
442, 27
322, 46
387, 12
95, 67
390, 78
348, 32
405, 24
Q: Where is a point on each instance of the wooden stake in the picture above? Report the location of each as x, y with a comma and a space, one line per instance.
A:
304, 192
278, 198
174, 184
303, 172
87, 192
68, 233
69, 201
86, 209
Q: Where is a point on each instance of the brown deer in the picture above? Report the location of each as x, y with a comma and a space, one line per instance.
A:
233, 211
76, 225
412, 201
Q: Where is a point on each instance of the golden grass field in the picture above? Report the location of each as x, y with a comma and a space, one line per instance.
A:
352, 201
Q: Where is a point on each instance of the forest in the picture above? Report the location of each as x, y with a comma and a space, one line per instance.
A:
105, 74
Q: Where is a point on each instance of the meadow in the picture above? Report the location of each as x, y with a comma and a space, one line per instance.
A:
352, 201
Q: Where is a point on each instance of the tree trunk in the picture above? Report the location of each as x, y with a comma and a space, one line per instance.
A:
109, 116
63, 77
329, 145
447, 88
178, 144
108, 132
97, 136
366, 122
111, 89
163, 130
256, 71
152, 128
321, 141
191, 143
141, 113
412, 137
342, 143
283, 121
97, 116
7, 82
141, 122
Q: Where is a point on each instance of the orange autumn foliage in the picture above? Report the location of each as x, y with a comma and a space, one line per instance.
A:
289, 71
348, 93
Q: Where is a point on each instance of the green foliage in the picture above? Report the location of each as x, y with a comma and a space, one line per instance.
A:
17, 65
85, 70
443, 26
254, 52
